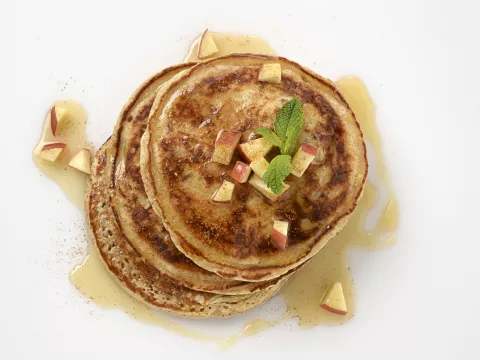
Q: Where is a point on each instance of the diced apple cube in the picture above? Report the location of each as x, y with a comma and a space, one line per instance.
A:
225, 146
255, 148
280, 234
241, 172
271, 73
58, 117
302, 159
334, 300
259, 166
260, 185
52, 151
224, 194
207, 46
82, 161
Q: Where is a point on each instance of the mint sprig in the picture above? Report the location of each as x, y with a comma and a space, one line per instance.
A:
287, 128
269, 135
277, 171
290, 115
294, 129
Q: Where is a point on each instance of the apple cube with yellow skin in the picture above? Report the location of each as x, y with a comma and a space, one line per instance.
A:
260, 166
82, 161
207, 46
52, 151
334, 300
280, 234
241, 172
58, 117
302, 159
260, 185
225, 146
224, 194
271, 73
255, 148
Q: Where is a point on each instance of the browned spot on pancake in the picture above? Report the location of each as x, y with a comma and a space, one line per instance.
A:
196, 222
286, 215
243, 192
340, 176
166, 144
133, 173
186, 108
201, 154
239, 211
143, 112
219, 84
102, 161
209, 178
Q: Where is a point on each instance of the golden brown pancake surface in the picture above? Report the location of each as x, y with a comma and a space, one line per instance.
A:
180, 178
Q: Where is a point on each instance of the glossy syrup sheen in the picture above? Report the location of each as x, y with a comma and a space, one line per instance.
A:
73, 133
232, 43
303, 293
93, 280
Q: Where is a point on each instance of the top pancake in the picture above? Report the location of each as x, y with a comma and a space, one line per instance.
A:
136, 220
179, 176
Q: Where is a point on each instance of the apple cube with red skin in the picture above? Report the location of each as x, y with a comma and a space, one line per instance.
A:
255, 148
302, 159
271, 73
333, 300
280, 234
260, 185
241, 172
58, 116
260, 166
82, 161
207, 46
225, 146
52, 151
224, 194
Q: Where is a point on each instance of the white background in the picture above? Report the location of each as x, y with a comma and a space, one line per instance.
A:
419, 59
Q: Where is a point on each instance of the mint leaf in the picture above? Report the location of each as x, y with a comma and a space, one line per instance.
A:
291, 109
294, 129
269, 135
278, 170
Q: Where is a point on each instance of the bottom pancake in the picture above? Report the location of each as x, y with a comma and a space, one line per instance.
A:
142, 280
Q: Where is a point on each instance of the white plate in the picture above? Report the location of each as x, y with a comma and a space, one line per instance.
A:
420, 61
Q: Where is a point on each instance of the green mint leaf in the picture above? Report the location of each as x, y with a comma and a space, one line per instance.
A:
294, 129
278, 170
291, 109
269, 135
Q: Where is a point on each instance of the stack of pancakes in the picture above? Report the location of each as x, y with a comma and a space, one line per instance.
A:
149, 202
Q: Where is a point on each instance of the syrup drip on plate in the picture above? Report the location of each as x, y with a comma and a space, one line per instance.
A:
231, 44
93, 280
71, 181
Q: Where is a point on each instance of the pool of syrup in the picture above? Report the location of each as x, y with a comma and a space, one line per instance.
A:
73, 133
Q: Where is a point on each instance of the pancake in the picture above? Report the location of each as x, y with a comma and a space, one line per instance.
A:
139, 278
180, 178
135, 218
